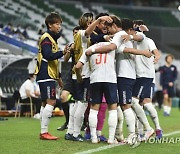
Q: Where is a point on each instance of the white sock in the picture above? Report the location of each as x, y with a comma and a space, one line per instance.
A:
72, 110
168, 109
165, 107
112, 122
99, 132
130, 120
46, 115
93, 123
140, 113
153, 114
120, 116
41, 113
79, 117
140, 128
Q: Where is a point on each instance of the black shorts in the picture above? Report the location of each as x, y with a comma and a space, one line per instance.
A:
48, 90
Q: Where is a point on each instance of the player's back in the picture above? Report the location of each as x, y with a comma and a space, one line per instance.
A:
103, 66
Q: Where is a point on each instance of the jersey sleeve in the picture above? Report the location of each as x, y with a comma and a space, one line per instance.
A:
151, 45
83, 58
117, 40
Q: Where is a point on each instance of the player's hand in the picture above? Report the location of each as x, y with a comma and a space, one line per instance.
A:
147, 53
79, 79
156, 59
105, 18
126, 37
67, 49
89, 52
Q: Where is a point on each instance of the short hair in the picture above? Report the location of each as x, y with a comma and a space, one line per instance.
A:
116, 21
52, 18
76, 28
138, 22
101, 14
127, 24
169, 55
84, 19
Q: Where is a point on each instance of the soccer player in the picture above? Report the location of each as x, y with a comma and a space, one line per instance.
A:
145, 73
68, 92
102, 81
81, 42
168, 75
47, 71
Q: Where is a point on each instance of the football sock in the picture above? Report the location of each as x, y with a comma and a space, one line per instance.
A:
79, 117
120, 116
72, 110
153, 113
41, 112
140, 113
130, 120
93, 123
46, 115
112, 122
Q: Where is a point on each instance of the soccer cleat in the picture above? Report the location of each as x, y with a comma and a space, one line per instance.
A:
78, 138
102, 138
95, 140
47, 136
87, 136
148, 134
63, 127
68, 136
166, 114
112, 141
119, 137
131, 139
159, 134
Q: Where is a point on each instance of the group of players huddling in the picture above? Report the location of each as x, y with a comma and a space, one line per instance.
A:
112, 67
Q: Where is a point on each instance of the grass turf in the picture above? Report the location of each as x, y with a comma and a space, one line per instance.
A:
21, 136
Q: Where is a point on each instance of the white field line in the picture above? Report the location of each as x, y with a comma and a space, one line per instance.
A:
115, 145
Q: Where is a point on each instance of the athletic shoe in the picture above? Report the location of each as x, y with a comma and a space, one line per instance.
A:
159, 134
119, 137
102, 138
166, 114
63, 127
47, 136
87, 136
112, 141
95, 140
131, 139
68, 136
37, 116
148, 133
78, 138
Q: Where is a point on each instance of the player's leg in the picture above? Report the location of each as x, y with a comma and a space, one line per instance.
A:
48, 92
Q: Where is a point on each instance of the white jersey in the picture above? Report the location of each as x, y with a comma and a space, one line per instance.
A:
27, 85
85, 69
144, 65
125, 64
102, 66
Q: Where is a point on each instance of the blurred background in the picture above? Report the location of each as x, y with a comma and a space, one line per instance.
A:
22, 23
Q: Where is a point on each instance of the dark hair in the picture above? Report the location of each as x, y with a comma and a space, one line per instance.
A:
76, 28
127, 24
52, 18
138, 22
116, 21
169, 55
101, 14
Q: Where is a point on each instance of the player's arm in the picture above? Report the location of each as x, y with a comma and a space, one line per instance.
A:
67, 51
157, 55
135, 37
101, 49
47, 51
91, 27
78, 69
145, 53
